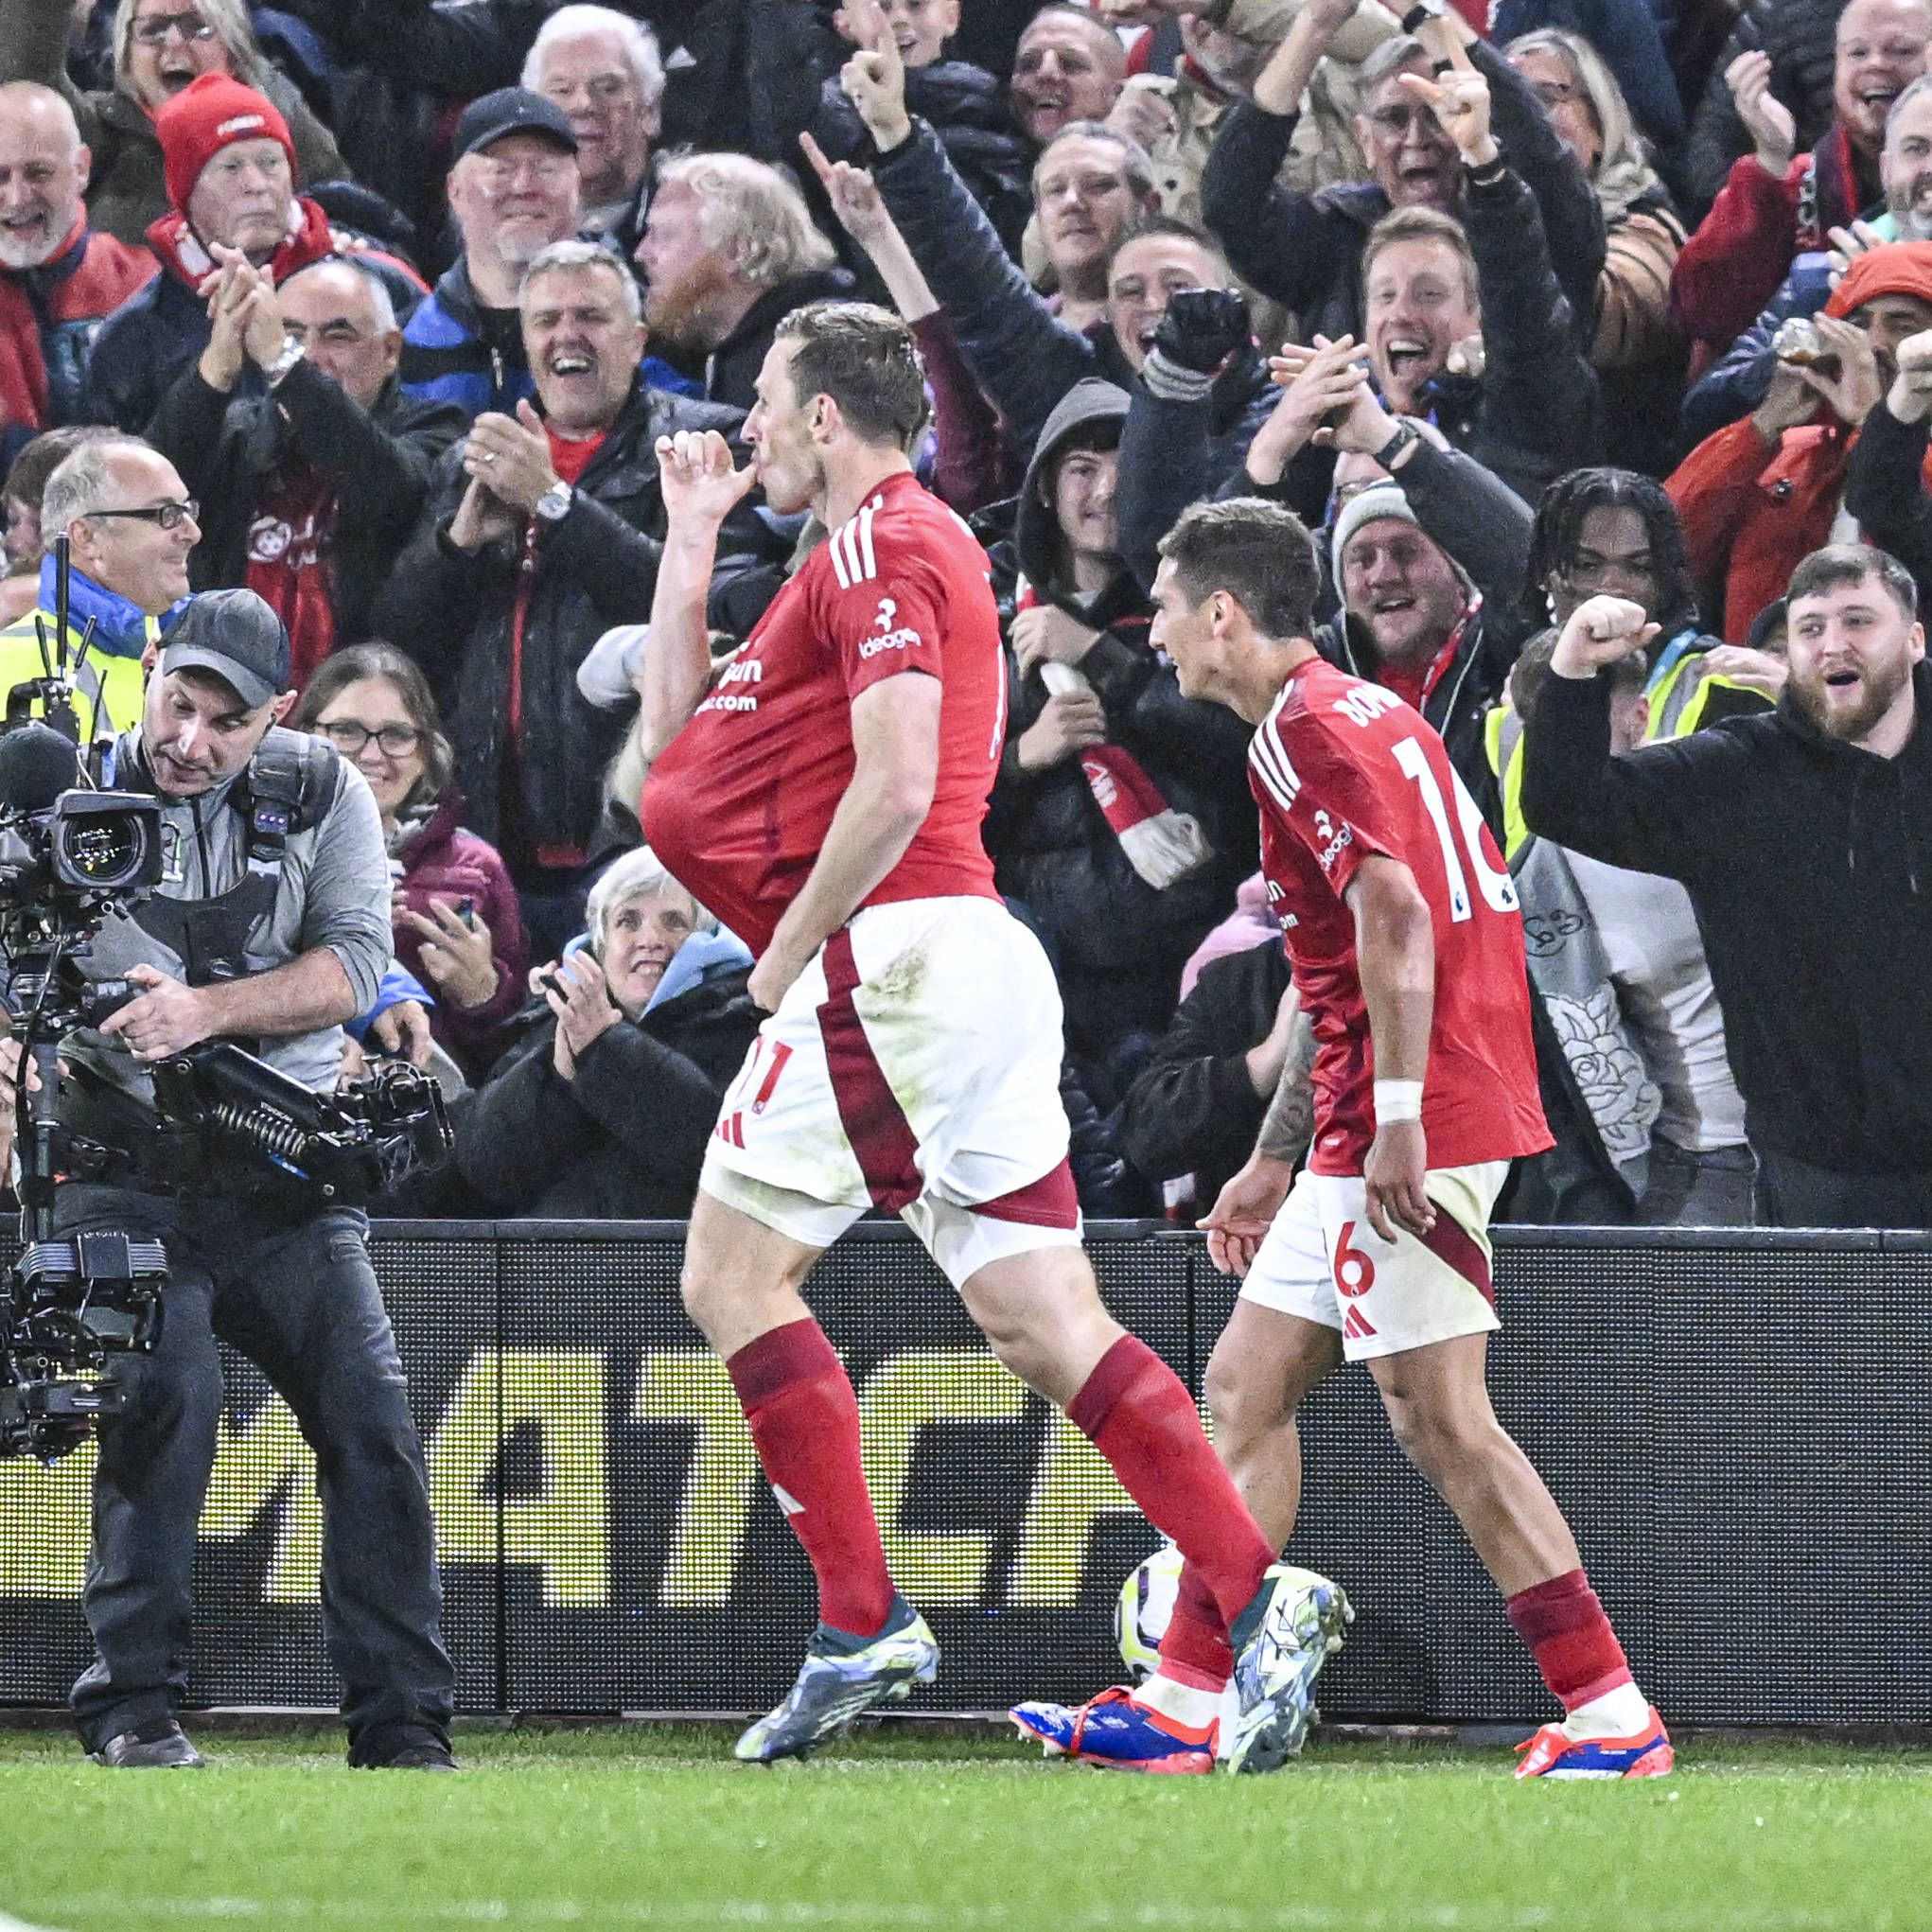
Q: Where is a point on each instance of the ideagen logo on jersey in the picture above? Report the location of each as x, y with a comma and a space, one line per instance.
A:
888, 639
1334, 839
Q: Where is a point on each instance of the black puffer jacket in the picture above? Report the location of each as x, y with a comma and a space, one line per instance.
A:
229, 449
1801, 36
729, 372
1305, 251
597, 567
624, 1138
1120, 942
1024, 357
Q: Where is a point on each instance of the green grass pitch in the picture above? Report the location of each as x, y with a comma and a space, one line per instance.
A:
905, 1831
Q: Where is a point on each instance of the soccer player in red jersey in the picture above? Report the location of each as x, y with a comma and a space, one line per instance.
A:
1402, 928
824, 796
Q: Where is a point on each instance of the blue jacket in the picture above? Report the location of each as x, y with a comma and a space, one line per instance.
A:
454, 351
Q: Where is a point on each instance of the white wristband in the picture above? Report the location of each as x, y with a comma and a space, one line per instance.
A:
1398, 1100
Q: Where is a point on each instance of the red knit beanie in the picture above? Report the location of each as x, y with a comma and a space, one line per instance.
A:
203, 119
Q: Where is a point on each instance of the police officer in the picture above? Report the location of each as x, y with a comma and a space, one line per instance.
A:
270, 928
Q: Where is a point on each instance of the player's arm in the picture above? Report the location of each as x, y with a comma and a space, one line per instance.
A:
1395, 951
895, 735
700, 489
1249, 1201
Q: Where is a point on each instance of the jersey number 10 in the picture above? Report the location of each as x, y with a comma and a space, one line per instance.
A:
1497, 887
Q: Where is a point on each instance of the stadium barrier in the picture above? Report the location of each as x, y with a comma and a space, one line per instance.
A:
1738, 1425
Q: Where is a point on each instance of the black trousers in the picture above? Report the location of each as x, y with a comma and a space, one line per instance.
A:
299, 1298
1794, 1194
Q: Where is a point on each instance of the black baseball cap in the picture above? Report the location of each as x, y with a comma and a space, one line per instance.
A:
235, 635
511, 111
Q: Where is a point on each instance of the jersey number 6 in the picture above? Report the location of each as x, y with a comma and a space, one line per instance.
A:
1497, 887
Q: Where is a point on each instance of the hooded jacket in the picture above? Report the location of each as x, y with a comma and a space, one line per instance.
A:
1050, 842
596, 567
730, 371
1809, 866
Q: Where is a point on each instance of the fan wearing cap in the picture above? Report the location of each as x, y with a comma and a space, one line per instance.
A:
235, 230
1764, 492
270, 928
513, 189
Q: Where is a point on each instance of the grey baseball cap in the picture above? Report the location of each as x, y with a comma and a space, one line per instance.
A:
235, 635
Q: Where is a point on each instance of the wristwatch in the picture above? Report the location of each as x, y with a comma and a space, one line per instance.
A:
554, 503
1406, 433
293, 353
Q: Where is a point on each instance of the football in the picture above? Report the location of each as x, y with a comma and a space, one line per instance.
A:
1142, 1609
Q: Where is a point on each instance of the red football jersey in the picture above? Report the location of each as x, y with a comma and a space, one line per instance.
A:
738, 805
1342, 769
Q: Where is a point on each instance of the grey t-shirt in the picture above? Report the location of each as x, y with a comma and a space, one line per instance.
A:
333, 890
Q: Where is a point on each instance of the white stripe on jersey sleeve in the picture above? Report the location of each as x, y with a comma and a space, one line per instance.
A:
1272, 761
838, 568
865, 539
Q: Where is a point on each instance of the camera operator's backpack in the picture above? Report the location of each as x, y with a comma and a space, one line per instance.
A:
288, 787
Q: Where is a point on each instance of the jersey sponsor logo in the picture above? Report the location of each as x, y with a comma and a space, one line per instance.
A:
1271, 761
854, 560
1335, 839
740, 671
1365, 704
888, 639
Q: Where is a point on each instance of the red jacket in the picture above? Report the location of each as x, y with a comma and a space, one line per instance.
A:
442, 863
48, 317
1753, 513
1744, 248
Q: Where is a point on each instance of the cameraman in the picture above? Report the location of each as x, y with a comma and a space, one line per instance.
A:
273, 938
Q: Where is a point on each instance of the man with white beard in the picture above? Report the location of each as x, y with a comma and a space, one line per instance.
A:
58, 278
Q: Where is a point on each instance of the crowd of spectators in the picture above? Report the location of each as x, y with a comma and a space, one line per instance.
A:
378, 307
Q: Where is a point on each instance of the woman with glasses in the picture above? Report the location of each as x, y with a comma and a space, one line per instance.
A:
160, 47
457, 923
1637, 352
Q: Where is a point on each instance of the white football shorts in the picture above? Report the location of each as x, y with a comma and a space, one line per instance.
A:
1323, 1261
913, 1066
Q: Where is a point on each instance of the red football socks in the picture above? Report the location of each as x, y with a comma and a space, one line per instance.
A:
1195, 1651
1135, 1411
805, 1421
1571, 1639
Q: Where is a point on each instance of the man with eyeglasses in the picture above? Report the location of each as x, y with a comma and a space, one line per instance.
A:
312, 485
270, 928
130, 524
513, 189
237, 228
1305, 251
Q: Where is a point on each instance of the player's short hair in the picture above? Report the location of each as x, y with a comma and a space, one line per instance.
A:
1180, 231
865, 358
638, 874
1422, 224
1259, 554
1839, 566
1530, 675
1136, 164
574, 256
752, 215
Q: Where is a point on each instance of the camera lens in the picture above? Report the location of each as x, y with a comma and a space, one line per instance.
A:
105, 852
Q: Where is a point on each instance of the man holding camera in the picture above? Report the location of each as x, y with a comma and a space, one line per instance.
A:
270, 928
